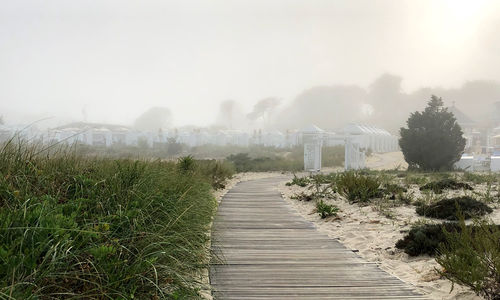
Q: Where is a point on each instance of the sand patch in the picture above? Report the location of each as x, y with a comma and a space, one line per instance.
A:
367, 230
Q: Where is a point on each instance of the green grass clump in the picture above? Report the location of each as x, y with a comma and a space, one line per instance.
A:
326, 210
94, 228
323, 178
244, 163
471, 257
479, 178
215, 172
263, 159
415, 179
186, 164
448, 183
300, 181
448, 209
357, 187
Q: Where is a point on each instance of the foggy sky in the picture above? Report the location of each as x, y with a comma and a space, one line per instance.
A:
110, 61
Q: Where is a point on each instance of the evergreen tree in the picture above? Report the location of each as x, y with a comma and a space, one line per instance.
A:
433, 140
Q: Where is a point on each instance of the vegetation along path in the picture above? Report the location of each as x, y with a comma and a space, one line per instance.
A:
265, 250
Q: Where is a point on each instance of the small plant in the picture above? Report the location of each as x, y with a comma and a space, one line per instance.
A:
186, 164
357, 187
448, 183
448, 209
471, 257
300, 181
326, 210
384, 207
488, 195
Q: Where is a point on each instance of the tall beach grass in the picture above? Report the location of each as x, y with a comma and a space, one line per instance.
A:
79, 227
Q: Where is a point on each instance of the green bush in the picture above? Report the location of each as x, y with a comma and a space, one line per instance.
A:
93, 228
443, 184
433, 140
471, 257
326, 210
425, 239
448, 209
428, 238
357, 187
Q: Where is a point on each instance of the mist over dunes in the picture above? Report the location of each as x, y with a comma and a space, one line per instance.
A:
383, 103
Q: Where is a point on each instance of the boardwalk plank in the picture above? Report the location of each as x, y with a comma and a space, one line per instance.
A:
263, 249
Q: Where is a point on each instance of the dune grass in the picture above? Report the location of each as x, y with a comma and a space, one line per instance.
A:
74, 227
275, 159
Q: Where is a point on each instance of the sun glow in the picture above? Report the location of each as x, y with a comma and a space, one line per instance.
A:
465, 10
455, 21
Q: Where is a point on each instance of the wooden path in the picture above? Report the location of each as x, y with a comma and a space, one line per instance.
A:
265, 250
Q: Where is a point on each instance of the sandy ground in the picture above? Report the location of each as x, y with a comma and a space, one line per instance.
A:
368, 230
386, 161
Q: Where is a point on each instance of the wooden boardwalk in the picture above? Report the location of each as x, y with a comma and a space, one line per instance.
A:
265, 250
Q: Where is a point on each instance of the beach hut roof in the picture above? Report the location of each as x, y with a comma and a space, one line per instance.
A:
312, 129
462, 118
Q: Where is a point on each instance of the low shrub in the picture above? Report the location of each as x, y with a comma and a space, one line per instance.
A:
326, 210
443, 184
427, 238
448, 209
357, 187
471, 257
